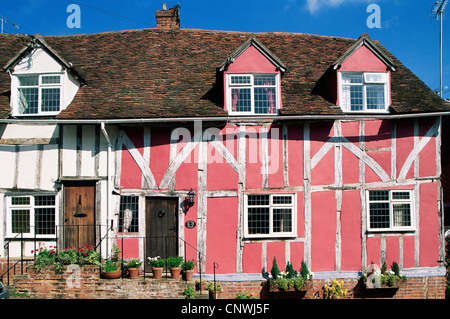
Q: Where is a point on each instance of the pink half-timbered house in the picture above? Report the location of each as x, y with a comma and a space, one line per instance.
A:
237, 146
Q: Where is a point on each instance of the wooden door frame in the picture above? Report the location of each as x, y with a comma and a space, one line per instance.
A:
78, 182
176, 199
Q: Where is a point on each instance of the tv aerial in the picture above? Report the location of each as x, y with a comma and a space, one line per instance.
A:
438, 12
4, 20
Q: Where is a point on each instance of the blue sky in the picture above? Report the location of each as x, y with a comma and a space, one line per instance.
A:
407, 29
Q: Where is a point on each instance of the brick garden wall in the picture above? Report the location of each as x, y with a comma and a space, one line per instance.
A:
51, 285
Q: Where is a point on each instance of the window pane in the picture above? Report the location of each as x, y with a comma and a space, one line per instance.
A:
28, 100
32, 80
20, 221
402, 215
44, 201
375, 77
129, 214
354, 78
282, 220
20, 200
50, 100
241, 100
282, 199
400, 195
240, 79
264, 79
379, 215
375, 97
258, 220
258, 200
265, 100
379, 195
45, 221
356, 98
51, 79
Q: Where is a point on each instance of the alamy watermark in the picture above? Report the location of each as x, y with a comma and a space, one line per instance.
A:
374, 19
74, 19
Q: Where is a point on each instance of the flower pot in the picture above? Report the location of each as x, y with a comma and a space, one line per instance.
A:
215, 294
175, 272
157, 273
133, 273
112, 275
188, 274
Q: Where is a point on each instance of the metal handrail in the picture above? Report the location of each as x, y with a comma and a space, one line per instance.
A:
102, 238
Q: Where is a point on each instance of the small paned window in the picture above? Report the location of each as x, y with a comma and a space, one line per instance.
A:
32, 215
270, 215
39, 94
253, 93
390, 210
364, 92
129, 214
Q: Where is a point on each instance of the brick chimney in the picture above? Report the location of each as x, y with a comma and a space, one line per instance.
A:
168, 19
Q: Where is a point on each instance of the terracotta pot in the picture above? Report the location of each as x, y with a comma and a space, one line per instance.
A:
133, 273
188, 274
157, 273
112, 275
175, 272
215, 294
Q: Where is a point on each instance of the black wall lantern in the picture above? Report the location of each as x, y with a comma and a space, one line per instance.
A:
189, 200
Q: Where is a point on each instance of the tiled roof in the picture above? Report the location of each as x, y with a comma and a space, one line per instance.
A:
175, 73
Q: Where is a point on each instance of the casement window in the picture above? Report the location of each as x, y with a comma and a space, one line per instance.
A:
364, 91
31, 215
252, 94
390, 210
129, 214
270, 215
38, 94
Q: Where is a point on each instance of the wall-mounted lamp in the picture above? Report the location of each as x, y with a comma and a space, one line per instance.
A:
189, 200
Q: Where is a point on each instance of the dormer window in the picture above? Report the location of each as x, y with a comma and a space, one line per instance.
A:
250, 94
38, 94
364, 91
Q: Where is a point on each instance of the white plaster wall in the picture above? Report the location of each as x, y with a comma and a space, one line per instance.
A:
8, 164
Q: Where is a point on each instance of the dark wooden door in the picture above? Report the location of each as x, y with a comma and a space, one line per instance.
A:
161, 227
79, 214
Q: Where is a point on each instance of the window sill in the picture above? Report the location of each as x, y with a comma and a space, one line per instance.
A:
268, 238
390, 231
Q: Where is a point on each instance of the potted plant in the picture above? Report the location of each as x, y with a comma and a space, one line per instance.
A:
188, 268
215, 289
174, 264
111, 269
133, 268
157, 264
376, 277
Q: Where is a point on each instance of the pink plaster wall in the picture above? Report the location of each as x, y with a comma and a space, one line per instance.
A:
429, 225
323, 231
295, 155
351, 230
131, 174
363, 60
160, 152
221, 234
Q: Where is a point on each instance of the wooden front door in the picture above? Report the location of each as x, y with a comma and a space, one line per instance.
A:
161, 228
79, 214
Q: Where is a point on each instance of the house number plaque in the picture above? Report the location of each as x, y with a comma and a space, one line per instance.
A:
190, 224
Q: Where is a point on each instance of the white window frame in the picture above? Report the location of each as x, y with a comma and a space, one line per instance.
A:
40, 86
251, 86
31, 207
272, 206
392, 202
347, 107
